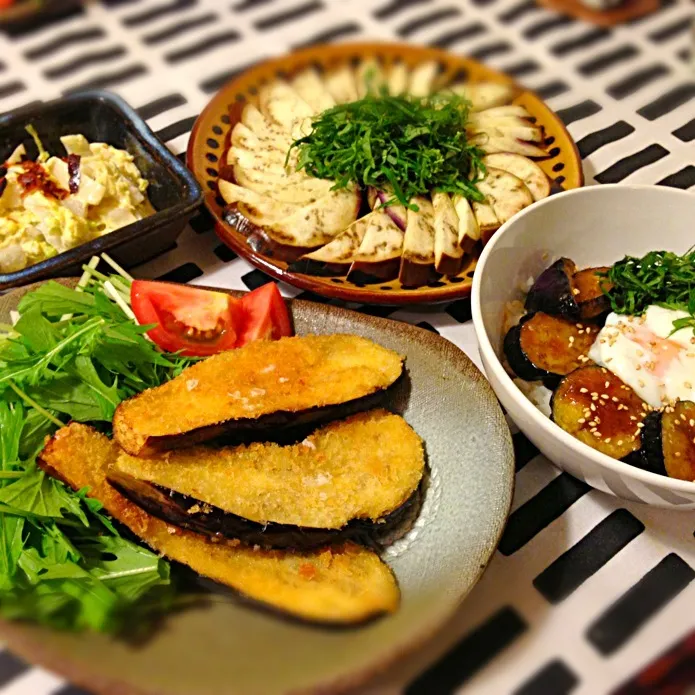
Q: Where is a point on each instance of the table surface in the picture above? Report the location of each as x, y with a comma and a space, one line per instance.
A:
627, 96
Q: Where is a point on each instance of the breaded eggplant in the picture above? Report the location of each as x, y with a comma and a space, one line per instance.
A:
264, 387
344, 584
362, 469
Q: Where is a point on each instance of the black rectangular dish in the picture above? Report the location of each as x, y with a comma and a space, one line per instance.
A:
104, 117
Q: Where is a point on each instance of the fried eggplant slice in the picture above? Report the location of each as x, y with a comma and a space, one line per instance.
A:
345, 584
363, 468
261, 388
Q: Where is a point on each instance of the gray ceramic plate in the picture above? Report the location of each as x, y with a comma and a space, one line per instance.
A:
226, 648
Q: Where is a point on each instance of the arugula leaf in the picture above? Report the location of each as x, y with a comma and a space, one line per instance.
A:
63, 562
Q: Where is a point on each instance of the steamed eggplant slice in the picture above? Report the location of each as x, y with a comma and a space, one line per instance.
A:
510, 127
301, 227
505, 193
257, 123
260, 389
336, 257
486, 219
484, 95
553, 291
524, 168
341, 85
379, 255
344, 584
468, 229
448, 254
599, 409
588, 287
397, 79
281, 105
494, 143
379, 198
363, 468
417, 262
678, 440
422, 79
311, 88
541, 346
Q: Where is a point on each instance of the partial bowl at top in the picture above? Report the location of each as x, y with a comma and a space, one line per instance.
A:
594, 226
104, 117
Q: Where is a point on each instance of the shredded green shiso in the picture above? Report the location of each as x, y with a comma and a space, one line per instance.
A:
412, 146
660, 277
72, 354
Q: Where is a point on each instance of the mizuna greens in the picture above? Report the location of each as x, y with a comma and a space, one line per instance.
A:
413, 145
73, 354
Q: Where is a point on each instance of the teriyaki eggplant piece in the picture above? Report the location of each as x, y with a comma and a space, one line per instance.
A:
562, 290
547, 347
595, 406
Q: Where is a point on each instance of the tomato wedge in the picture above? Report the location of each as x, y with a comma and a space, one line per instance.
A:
186, 319
265, 315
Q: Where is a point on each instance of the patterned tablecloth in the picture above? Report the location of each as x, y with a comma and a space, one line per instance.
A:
585, 589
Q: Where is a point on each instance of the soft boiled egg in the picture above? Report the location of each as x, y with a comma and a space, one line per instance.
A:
644, 352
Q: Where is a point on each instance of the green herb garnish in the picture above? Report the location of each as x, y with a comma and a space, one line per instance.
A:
72, 354
660, 277
410, 145
43, 154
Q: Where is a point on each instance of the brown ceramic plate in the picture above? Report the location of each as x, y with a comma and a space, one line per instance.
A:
209, 141
225, 647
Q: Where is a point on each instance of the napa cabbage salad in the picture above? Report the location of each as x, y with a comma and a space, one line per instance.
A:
52, 204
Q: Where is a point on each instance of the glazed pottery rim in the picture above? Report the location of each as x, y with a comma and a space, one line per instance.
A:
494, 364
29, 647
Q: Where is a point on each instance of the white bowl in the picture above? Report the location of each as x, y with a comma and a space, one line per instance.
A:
593, 226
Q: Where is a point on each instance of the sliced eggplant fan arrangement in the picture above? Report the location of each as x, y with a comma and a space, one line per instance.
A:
569, 342
301, 199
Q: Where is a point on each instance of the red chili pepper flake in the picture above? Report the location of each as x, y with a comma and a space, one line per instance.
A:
36, 178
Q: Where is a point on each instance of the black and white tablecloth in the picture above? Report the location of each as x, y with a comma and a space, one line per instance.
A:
585, 589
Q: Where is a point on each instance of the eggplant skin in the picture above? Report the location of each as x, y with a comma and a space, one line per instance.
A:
263, 388
552, 292
338, 585
650, 456
518, 361
188, 513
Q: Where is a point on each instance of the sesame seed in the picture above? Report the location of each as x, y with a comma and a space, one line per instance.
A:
604, 395
593, 429
639, 353
607, 384
594, 393
583, 390
683, 417
632, 417
593, 423
581, 420
620, 442
691, 422
571, 339
641, 383
597, 434
593, 407
640, 425
575, 291
614, 399
677, 454
578, 325
608, 441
